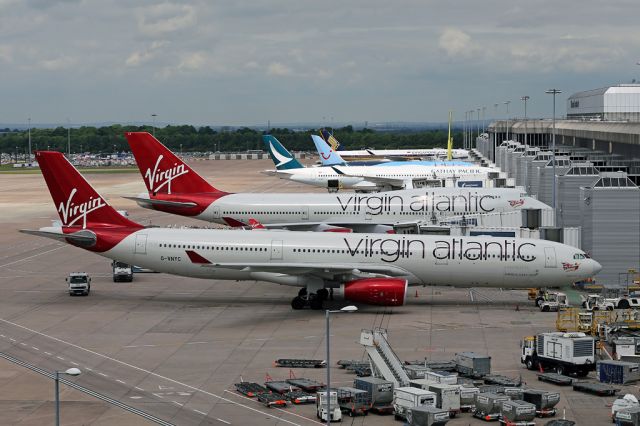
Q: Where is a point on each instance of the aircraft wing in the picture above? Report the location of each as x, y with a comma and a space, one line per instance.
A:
151, 202
84, 238
313, 268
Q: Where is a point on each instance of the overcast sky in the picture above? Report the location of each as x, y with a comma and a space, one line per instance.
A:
245, 62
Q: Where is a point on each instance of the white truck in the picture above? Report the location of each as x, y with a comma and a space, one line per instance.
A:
565, 353
122, 272
321, 406
553, 302
79, 283
406, 398
596, 302
447, 397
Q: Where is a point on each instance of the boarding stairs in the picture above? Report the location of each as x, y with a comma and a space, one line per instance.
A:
384, 360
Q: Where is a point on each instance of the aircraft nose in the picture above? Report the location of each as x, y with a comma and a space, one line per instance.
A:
595, 267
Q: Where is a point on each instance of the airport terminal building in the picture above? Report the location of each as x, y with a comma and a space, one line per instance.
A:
613, 103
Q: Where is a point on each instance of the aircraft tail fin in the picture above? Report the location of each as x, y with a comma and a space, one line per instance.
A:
255, 224
164, 172
328, 157
282, 158
330, 140
77, 202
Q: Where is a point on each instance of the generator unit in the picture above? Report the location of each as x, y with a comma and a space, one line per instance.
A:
565, 353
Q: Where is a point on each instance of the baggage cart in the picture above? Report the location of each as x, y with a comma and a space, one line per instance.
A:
544, 401
555, 378
362, 371
498, 379
300, 363
354, 401
272, 400
618, 372
306, 385
416, 371
281, 387
250, 389
628, 417
599, 389
380, 392
517, 413
300, 397
513, 393
488, 406
344, 363
472, 364
427, 416
434, 365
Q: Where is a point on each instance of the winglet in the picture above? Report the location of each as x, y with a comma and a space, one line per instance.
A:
282, 158
328, 157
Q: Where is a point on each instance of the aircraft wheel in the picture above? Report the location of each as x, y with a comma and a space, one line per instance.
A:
322, 294
297, 303
302, 292
316, 303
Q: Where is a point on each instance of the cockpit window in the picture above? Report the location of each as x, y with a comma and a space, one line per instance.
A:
579, 256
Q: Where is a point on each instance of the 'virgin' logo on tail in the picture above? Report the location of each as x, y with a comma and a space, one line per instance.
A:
72, 212
160, 178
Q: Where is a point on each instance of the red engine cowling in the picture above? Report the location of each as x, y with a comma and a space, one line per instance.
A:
376, 291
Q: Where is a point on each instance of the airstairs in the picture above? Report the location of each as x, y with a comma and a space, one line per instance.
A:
384, 361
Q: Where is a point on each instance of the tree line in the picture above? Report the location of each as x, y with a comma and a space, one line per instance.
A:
205, 139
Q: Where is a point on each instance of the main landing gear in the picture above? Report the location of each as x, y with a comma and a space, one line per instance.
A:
312, 300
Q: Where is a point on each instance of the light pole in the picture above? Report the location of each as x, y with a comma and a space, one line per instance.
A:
525, 98
154, 124
478, 123
554, 92
29, 153
483, 123
349, 308
69, 139
507, 104
69, 372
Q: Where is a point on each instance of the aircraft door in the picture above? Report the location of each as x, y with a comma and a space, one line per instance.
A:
276, 250
141, 244
305, 212
549, 257
216, 212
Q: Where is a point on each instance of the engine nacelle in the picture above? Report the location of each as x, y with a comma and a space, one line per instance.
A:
376, 291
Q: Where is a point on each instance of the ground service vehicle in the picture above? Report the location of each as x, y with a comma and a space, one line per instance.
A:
354, 401
447, 397
122, 271
518, 413
406, 398
321, 407
79, 283
566, 353
553, 302
427, 416
380, 391
472, 364
488, 406
596, 302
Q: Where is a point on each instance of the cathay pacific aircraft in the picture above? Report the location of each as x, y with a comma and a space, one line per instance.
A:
174, 187
363, 268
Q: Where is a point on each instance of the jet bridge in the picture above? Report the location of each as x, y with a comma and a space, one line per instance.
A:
384, 360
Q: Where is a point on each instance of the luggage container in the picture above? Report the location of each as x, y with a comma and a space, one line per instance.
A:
420, 383
306, 385
513, 393
380, 392
544, 401
447, 397
444, 377
618, 372
407, 398
272, 400
416, 371
353, 401
468, 397
473, 364
300, 363
488, 406
427, 416
518, 412
628, 417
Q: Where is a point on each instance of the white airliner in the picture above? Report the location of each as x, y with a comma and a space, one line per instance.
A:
384, 176
366, 154
366, 268
174, 187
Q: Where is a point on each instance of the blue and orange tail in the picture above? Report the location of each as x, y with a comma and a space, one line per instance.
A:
331, 140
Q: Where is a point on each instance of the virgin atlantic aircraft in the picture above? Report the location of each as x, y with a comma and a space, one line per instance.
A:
174, 187
366, 268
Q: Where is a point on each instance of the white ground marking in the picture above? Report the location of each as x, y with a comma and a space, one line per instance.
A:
196, 343
120, 381
177, 403
103, 375
37, 349
60, 358
223, 421
140, 389
31, 257
199, 412
48, 353
163, 377
74, 363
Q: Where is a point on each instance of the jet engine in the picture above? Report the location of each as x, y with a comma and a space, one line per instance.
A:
376, 291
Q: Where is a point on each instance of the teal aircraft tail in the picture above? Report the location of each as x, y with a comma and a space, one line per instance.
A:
279, 154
